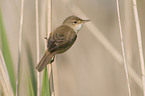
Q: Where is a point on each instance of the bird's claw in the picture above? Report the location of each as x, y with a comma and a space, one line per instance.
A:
52, 60
45, 37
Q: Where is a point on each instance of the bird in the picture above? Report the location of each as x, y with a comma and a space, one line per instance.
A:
61, 39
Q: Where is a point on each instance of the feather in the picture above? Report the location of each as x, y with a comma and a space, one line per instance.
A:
46, 59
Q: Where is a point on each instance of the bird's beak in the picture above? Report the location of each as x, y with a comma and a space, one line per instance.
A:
86, 21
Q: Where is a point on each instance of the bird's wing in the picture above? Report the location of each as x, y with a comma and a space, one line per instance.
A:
62, 37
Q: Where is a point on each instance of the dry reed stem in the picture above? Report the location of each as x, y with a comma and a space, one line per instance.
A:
105, 42
123, 48
49, 22
37, 46
49, 66
19, 50
4, 78
49, 15
138, 30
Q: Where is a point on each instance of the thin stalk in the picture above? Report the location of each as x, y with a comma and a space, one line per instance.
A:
138, 30
19, 50
49, 15
123, 48
37, 46
49, 67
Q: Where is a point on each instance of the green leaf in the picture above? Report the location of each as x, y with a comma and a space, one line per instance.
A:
6, 53
31, 70
31, 87
45, 86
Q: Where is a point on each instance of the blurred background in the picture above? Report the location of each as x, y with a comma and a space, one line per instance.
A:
94, 64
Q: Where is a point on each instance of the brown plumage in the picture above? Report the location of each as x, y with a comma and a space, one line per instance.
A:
58, 42
61, 39
46, 59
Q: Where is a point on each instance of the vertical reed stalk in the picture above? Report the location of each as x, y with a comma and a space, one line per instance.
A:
19, 50
123, 48
49, 67
138, 30
49, 15
37, 46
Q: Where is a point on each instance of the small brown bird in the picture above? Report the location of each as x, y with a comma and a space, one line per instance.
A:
61, 39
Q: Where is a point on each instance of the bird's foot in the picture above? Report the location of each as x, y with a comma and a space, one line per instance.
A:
52, 60
45, 37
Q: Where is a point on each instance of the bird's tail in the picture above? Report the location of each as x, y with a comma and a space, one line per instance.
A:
46, 59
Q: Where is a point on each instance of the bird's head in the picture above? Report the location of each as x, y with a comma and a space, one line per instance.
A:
74, 22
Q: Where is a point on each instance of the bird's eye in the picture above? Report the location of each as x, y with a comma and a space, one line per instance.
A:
75, 22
